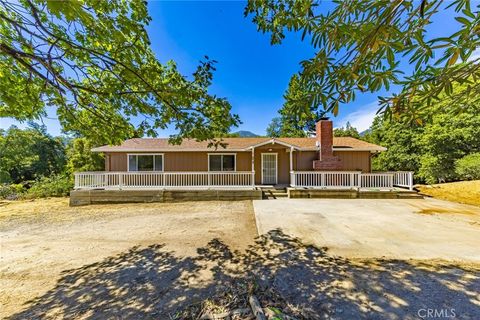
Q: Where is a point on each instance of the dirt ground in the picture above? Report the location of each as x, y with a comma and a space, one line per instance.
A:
173, 261
41, 240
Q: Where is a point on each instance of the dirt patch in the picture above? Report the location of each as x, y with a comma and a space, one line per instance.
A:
467, 192
444, 211
308, 283
44, 240
179, 261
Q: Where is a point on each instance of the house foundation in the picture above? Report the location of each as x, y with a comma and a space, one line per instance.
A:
87, 197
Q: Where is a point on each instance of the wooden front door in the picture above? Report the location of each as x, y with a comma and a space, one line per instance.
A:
269, 168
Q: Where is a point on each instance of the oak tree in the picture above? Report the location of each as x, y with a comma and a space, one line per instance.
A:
92, 61
359, 45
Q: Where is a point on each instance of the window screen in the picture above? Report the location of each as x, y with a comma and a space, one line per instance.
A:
228, 162
145, 163
222, 162
132, 163
139, 162
159, 163
215, 163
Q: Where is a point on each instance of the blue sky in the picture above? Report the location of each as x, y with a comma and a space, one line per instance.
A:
251, 74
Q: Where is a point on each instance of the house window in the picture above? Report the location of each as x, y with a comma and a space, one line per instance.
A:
221, 162
145, 162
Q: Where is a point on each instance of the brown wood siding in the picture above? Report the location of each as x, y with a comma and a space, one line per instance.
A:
185, 161
283, 163
180, 161
351, 160
118, 162
198, 161
107, 162
354, 160
304, 160
244, 161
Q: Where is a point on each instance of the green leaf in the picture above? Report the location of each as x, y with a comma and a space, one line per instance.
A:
453, 58
463, 20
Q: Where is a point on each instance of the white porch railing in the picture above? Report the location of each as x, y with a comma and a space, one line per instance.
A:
376, 180
349, 179
125, 180
333, 179
403, 179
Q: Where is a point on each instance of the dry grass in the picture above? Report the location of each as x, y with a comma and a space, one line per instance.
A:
467, 192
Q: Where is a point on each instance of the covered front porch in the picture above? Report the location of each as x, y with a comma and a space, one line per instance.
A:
269, 163
240, 180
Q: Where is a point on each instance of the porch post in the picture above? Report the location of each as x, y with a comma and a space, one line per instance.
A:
120, 181
292, 183
253, 167
410, 180
291, 158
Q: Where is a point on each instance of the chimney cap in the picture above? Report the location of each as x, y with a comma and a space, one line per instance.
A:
324, 118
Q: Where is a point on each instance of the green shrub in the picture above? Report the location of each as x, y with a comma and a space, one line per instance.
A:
468, 167
5, 177
432, 170
54, 186
11, 191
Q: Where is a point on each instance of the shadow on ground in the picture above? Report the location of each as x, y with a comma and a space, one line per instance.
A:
150, 282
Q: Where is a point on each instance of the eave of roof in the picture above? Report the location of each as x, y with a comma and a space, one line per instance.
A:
237, 145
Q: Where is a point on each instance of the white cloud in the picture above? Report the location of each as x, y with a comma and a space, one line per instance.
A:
475, 55
362, 118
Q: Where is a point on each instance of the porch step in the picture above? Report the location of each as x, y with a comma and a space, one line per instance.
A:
274, 193
409, 195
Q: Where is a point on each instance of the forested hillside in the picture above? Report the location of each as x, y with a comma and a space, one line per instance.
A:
444, 147
35, 164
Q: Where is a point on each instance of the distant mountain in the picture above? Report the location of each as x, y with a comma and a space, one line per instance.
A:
364, 132
246, 134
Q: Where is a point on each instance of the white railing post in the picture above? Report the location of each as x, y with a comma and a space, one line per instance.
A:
120, 181
253, 178
410, 181
292, 179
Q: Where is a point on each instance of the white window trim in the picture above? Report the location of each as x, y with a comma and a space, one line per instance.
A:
223, 154
146, 154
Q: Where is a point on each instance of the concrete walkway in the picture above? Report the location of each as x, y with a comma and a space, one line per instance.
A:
367, 228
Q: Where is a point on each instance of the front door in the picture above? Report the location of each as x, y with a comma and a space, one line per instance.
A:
269, 168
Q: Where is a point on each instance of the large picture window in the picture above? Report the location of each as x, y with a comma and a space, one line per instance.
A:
221, 162
145, 162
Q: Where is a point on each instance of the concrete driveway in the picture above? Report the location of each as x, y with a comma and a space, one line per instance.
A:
367, 228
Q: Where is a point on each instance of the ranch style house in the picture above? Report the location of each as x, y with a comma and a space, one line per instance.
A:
323, 161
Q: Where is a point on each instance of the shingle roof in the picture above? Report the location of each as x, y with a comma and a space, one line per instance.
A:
237, 144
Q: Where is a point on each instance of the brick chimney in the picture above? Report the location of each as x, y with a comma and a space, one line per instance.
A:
326, 160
